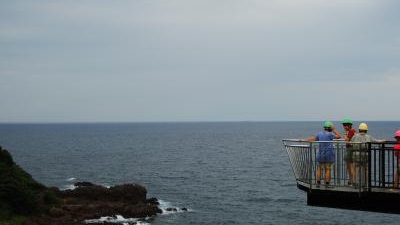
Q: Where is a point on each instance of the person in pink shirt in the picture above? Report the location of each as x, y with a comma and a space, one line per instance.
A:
397, 154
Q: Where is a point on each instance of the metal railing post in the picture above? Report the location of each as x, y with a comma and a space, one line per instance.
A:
338, 164
368, 167
310, 165
382, 165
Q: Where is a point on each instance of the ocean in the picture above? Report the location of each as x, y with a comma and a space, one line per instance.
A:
222, 172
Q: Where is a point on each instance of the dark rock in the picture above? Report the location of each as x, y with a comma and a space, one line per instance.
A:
21, 195
128, 193
93, 202
153, 201
83, 184
56, 212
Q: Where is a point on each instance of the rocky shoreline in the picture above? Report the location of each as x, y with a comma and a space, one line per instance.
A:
89, 201
23, 197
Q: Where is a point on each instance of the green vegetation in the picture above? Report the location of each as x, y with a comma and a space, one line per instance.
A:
20, 194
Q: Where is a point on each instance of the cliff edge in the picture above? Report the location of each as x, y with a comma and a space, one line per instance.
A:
26, 201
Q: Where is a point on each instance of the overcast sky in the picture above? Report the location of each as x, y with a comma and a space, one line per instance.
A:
199, 60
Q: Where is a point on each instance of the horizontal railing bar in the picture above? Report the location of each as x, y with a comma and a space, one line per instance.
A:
379, 168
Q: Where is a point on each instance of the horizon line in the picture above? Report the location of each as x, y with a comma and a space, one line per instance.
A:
194, 121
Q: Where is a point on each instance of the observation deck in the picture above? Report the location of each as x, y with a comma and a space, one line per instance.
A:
374, 188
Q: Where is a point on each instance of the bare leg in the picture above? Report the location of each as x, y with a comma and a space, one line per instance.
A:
356, 174
327, 175
318, 174
350, 171
353, 172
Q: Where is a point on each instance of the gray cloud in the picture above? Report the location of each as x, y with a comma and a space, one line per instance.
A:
197, 60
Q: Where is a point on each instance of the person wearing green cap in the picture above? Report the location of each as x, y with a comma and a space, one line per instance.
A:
349, 132
326, 154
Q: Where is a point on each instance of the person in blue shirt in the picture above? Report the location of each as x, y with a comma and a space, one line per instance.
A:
326, 154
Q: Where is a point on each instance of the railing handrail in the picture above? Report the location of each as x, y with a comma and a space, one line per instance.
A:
380, 167
339, 141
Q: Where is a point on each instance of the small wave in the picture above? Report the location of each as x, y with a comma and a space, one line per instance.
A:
68, 187
70, 184
168, 208
118, 219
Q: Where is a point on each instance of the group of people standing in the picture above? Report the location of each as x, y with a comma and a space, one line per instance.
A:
355, 142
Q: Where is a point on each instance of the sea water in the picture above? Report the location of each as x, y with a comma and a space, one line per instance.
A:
221, 172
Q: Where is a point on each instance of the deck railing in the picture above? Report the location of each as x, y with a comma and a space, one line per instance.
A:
375, 163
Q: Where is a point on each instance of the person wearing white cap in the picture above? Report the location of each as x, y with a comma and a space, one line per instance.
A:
359, 144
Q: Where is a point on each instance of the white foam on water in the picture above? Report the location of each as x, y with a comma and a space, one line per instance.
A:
167, 208
68, 187
118, 219
164, 204
71, 181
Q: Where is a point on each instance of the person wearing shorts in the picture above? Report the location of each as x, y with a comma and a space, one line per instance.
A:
349, 132
359, 143
326, 154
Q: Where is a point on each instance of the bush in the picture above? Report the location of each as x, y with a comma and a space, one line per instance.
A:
20, 194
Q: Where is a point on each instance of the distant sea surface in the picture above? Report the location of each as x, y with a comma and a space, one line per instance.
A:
224, 173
